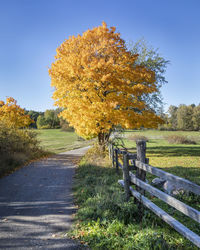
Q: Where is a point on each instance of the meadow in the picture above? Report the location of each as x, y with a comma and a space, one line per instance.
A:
57, 141
105, 221
180, 159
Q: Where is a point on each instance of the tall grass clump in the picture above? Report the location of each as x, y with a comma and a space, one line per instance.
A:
179, 139
17, 147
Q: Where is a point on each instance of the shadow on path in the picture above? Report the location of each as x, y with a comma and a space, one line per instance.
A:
36, 204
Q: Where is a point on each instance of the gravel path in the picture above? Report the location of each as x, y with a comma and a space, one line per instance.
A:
36, 204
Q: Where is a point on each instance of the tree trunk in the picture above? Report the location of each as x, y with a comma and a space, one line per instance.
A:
103, 139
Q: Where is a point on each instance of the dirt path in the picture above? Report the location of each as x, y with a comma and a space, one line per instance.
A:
36, 204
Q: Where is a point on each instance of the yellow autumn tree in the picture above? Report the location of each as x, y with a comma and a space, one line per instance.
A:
12, 115
99, 85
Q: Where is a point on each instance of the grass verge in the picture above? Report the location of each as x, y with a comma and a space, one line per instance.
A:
105, 221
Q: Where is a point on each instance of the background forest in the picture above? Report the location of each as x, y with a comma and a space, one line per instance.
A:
184, 117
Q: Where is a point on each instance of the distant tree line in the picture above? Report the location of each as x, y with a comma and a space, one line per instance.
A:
48, 120
183, 117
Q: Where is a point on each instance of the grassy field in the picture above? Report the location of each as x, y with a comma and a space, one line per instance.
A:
105, 221
56, 140
179, 159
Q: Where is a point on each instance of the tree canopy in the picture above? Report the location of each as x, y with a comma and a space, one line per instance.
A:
13, 115
48, 119
151, 59
99, 84
182, 117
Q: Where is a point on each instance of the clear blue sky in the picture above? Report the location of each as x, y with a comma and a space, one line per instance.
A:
31, 30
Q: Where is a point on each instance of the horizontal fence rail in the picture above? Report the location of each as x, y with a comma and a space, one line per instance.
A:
188, 185
140, 163
179, 205
165, 216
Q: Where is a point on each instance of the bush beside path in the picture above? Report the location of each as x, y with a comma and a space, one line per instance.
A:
36, 204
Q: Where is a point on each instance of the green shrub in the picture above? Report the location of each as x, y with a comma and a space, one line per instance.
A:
47, 126
179, 139
17, 147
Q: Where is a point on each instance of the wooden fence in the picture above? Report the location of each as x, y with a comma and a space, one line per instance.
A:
140, 164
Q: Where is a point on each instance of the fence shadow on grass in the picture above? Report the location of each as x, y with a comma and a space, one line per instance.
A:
168, 151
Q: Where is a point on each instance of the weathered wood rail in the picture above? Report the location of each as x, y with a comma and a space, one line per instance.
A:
139, 163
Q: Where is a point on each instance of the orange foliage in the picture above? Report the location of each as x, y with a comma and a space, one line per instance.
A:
12, 115
98, 84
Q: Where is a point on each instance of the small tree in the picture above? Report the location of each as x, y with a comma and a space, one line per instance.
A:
99, 84
196, 117
33, 115
51, 117
172, 116
12, 115
184, 117
41, 122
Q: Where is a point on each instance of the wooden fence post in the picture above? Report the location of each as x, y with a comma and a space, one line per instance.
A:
113, 156
140, 174
126, 176
116, 159
109, 150
141, 156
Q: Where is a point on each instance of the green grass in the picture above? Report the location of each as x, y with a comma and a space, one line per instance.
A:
105, 221
157, 134
56, 140
180, 159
